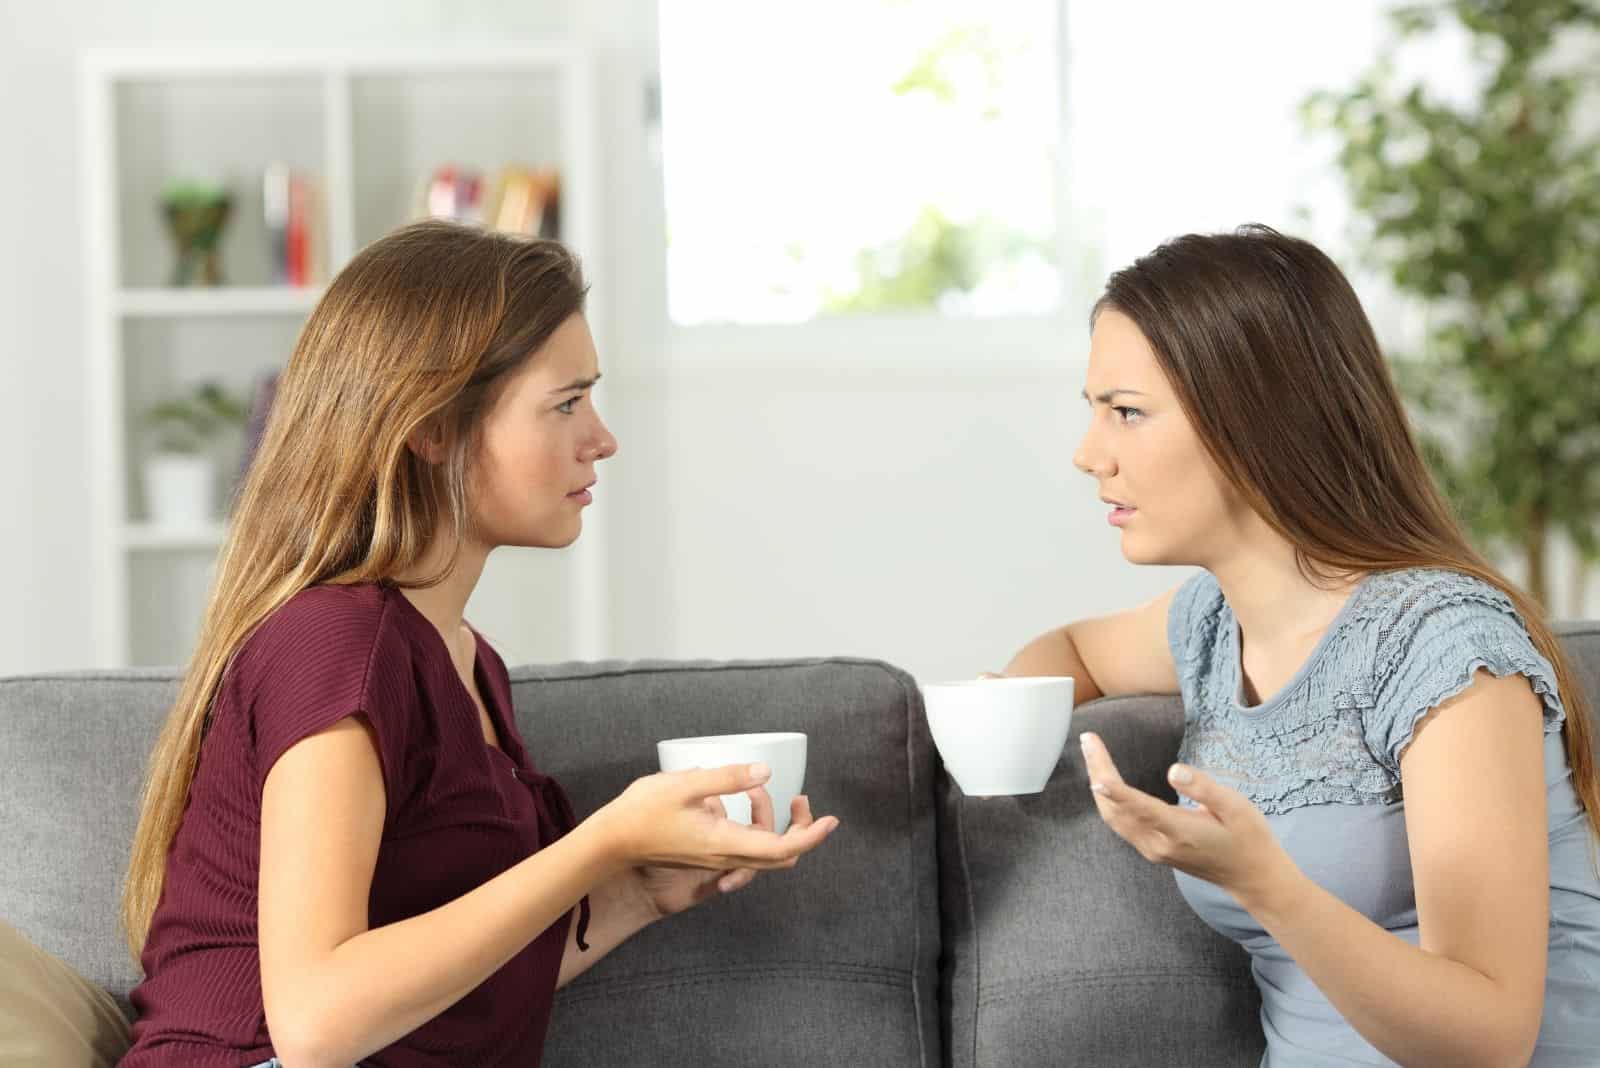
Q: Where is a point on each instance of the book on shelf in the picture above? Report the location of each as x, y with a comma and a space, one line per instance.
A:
523, 199
527, 201
292, 211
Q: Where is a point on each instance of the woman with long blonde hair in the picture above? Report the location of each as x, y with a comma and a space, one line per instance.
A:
1387, 784
345, 854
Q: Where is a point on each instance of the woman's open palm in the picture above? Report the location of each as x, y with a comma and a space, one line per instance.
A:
671, 889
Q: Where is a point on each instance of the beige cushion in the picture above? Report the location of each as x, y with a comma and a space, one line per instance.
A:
50, 1016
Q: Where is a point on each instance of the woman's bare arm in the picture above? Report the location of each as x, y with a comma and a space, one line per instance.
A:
335, 991
1122, 653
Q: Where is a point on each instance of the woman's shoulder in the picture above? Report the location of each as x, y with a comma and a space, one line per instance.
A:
1416, 617
1398, 605
328, 612
326, 653
322, 625
1429, 631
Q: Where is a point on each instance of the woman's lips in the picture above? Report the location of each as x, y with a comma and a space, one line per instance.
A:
1120, 515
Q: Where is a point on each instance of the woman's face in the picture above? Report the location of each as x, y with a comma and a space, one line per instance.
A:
1170, 501
531, 478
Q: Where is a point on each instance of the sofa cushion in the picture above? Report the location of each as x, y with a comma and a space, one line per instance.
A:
50, 1016
1582, 643
1062, 944
73, 748
833, 962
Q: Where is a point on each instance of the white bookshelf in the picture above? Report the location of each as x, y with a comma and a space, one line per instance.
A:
369, 124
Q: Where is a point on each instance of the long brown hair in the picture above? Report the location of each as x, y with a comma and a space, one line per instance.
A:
418, 333
1278, 369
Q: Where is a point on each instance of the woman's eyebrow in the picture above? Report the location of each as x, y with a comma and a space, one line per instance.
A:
1110, 394
576, 384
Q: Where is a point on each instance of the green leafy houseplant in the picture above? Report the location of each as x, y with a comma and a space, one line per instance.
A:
1488, 212
190, 422
196, 213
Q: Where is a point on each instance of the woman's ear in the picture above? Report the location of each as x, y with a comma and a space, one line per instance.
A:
427, 442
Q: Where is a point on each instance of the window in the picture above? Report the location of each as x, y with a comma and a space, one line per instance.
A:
847, 159
843, 158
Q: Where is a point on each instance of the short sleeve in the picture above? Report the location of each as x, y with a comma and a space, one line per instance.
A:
325, 655
1191, 625
1441, 635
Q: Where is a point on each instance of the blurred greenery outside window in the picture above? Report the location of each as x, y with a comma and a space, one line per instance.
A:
855, 157
1484, 206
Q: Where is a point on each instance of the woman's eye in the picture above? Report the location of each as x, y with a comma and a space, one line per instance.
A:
1128, 415
566, 406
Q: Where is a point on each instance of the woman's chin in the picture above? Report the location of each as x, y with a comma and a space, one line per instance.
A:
555, 535
555, 541
565, 533
1136, 551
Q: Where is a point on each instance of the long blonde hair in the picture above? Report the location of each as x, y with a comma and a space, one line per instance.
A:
1276, 365
417, 333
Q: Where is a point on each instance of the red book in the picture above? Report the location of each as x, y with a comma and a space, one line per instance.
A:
297, 250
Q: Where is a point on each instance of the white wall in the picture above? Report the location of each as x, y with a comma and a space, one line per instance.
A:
935, 522
16, 526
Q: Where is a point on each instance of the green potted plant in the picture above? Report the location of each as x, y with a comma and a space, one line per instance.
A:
1487, 210
196, 212
180, 474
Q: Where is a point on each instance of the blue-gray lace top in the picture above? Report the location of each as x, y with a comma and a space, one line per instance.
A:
1321, 758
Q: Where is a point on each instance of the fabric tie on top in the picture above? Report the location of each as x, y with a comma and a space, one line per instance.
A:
552, 829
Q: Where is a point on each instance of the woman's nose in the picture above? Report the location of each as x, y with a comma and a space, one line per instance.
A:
602, 446
1089, 459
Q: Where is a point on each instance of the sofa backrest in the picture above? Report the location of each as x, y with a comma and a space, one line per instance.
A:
1017, 931
840, 954
1063, 945
73, 749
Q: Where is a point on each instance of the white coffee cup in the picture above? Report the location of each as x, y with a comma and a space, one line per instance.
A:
783, 751
1000, 736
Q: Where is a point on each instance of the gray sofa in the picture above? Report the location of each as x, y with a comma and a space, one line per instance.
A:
933, 929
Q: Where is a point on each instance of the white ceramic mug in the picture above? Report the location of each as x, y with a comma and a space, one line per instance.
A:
782, 751
1000, 736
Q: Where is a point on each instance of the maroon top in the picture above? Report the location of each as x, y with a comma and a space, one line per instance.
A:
457, 813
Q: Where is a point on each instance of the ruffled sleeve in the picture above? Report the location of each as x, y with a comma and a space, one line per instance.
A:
1439, 634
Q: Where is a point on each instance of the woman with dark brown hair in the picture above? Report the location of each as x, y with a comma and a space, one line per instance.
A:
1387, 785
345, 853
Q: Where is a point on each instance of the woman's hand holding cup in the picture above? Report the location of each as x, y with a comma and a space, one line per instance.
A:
676, 819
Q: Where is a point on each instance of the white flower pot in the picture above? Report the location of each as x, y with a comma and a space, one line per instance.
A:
180, 489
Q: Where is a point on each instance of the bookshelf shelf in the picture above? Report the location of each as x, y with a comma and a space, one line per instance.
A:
221, 300
152, 537
366, 126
